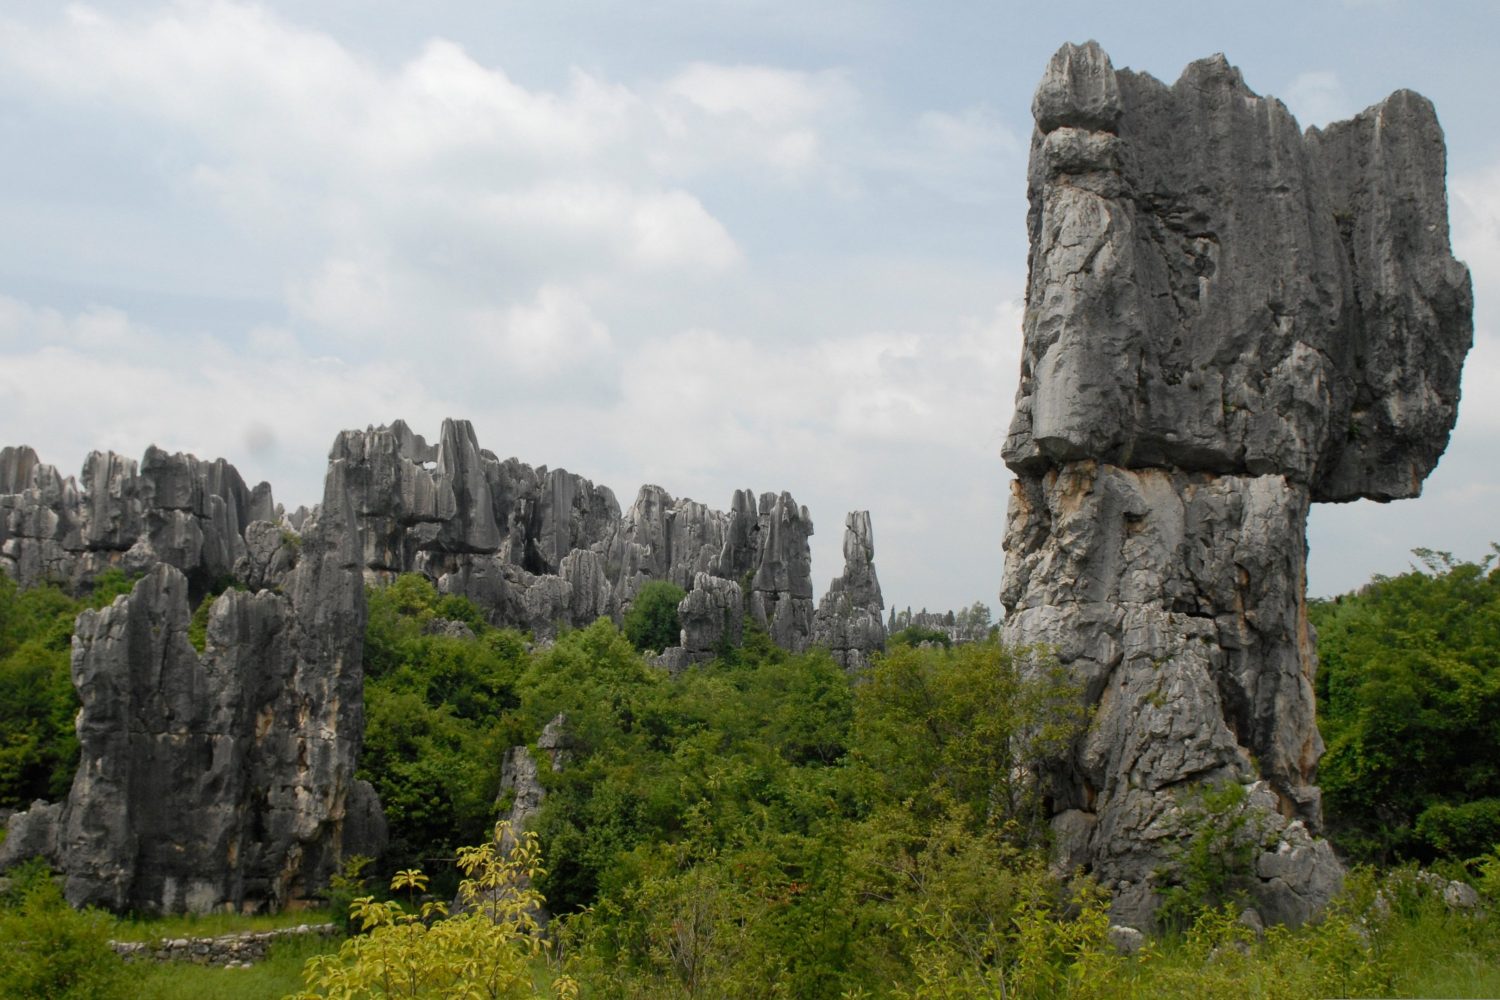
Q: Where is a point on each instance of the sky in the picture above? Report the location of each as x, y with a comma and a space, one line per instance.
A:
765, 244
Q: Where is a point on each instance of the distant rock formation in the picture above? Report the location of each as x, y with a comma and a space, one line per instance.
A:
848, 621
212, 781
539, 548
975, 623
226, 779
1227, 319
172, 509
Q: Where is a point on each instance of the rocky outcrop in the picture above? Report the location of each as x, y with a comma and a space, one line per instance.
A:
542, 549
848, 621
229, 951
223, 779
521, 791
170, 508
1227, 319
712, 616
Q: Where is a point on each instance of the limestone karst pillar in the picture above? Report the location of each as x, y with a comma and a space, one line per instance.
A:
1227, 319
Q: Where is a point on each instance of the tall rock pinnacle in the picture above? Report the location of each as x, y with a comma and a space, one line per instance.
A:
1227, 319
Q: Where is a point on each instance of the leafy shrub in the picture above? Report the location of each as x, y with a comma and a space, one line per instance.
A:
48, 949
973, 725
651, 623
486, 951
438, 716
38, 745
915, 635
1214, 866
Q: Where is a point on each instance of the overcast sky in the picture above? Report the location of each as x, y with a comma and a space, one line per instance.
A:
777, 245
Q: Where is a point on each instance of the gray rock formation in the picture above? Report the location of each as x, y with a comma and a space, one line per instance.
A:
712, 616
541, 549
1227, 319
220, 780
848, 621
171, 508
521, 791
225, 779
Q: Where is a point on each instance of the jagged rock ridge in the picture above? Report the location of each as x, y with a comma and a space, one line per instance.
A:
1227, 319
169, 508
539, 548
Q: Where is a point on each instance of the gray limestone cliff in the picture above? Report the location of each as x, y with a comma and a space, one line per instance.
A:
226, 778
223, 779
1227, 320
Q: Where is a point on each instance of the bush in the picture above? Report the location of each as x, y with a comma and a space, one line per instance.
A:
651, 623
48, 949
487, 951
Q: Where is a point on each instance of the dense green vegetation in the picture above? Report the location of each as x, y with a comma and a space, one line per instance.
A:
651, 623
38, 748
1409, 705
439, 711
763, 826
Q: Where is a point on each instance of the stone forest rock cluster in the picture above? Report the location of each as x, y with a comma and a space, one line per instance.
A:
226, 778
1227, 320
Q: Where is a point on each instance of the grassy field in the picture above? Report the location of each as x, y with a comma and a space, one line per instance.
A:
280, 974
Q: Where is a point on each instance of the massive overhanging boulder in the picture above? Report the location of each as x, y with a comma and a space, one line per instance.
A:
1227, 319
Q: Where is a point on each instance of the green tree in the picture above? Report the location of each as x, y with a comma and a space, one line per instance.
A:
651, 623
973, 725
1408, 697
439, 712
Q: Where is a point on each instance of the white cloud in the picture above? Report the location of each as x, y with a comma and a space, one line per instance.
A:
766, 95
556, 333
385, 186
258, 406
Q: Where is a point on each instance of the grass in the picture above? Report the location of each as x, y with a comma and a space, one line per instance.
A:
1445, 955
280, 974
211, 924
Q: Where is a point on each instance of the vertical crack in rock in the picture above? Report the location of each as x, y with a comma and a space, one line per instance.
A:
1227, 319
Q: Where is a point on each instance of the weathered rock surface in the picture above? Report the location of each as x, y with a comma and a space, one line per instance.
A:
169, 508
220, 780
1227, 319
540, 549
521, 791
848, 620
712, 616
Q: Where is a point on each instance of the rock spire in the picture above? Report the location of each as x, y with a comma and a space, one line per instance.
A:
1227, 320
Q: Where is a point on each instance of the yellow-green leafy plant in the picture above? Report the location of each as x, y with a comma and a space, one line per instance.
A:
490, 950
